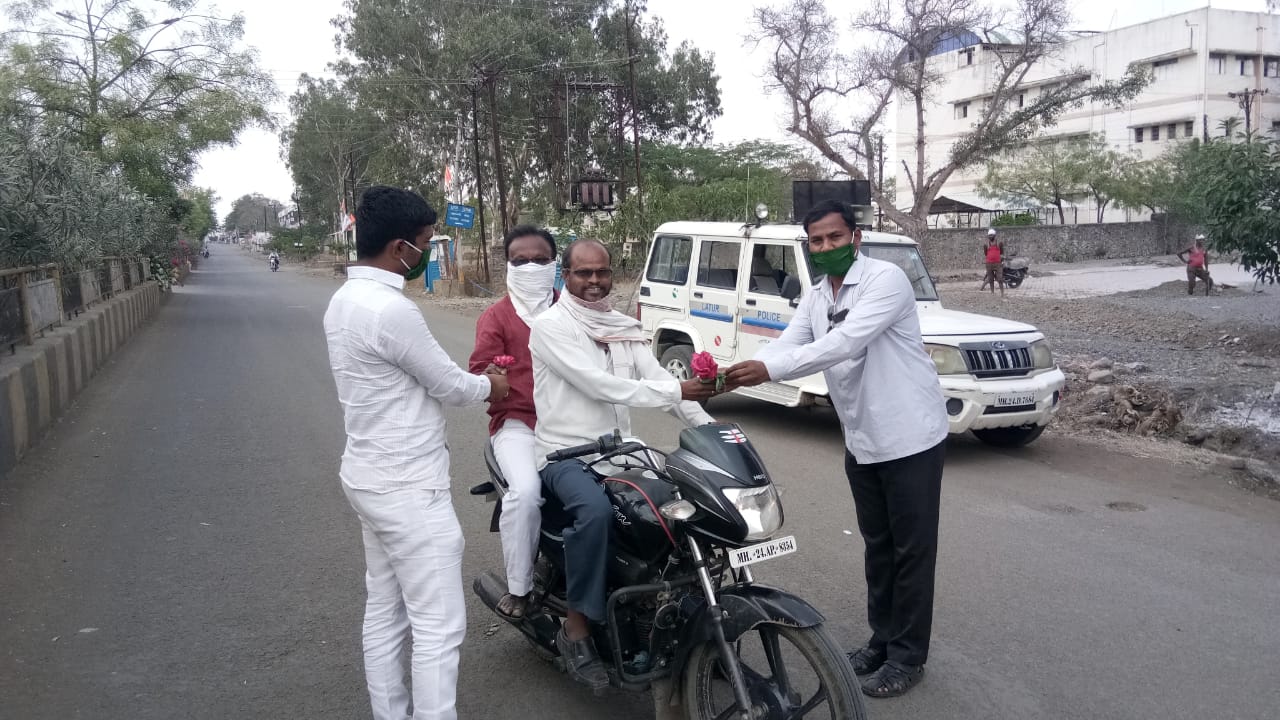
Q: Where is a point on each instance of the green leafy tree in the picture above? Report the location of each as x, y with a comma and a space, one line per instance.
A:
1045, 173
550, 82
332, 146
253, 213
1239, 184
722, 183
145, 87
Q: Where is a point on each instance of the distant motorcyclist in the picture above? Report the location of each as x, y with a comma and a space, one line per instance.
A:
274, 259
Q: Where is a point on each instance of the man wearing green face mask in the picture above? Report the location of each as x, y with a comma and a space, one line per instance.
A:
858, 326
393, 381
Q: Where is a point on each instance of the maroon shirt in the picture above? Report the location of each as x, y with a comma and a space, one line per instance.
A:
500, 331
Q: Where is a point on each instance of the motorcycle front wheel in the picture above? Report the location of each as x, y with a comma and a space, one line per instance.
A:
790, 673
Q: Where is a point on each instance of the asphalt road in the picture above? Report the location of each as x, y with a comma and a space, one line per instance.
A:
178, 547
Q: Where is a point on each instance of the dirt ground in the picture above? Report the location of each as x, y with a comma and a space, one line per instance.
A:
1209, 365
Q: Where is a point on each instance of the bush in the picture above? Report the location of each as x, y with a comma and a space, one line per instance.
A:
1014, 220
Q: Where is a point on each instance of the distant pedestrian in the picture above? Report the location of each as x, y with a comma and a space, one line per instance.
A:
1197, 260
993, 255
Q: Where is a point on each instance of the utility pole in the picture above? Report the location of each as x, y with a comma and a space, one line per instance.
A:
1244, 99
635, 113
879, 188
497, 153
483, 255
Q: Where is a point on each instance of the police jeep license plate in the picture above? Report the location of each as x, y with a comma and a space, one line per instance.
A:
753, 554
1015, 399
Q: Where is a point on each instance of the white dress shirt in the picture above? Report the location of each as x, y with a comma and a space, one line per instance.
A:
882, 383
582, 392
393, 379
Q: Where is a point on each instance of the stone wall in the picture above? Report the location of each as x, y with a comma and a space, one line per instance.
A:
38, 382
961, 249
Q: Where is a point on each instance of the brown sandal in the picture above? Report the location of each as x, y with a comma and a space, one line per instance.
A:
512, 607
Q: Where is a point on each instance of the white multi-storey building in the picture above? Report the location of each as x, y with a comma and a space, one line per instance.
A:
1202, 62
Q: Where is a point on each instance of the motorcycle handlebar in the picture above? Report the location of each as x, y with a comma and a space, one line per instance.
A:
603, 444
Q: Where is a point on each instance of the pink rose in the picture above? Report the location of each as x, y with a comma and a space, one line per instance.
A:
504, 361
704, 366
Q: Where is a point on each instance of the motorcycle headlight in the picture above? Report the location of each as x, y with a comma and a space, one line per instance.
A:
759, 507
1042, 354
947, 359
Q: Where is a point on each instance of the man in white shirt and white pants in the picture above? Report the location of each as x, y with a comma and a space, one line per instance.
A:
393, 380
590, 364
859, 327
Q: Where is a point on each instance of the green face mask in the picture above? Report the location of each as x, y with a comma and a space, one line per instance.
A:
835, 262
415, 271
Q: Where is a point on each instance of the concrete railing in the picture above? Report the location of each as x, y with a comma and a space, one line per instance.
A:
37, 298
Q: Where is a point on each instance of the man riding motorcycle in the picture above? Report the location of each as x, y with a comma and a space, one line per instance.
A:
503, 331
590, 365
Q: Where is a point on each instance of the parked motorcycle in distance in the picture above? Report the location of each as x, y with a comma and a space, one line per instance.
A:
682, 601
275, 264
1016, 270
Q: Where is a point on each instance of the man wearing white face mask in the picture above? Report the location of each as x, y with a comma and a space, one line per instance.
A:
503, 329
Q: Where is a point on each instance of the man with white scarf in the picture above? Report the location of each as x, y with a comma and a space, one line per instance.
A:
503, 329
590, 364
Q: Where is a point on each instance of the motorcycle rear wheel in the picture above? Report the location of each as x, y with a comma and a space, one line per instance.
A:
771, 656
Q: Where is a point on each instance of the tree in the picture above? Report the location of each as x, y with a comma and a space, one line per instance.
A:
331, 146
253, 213
200, 218
550, 84
1239, 185
144, 91
724, 183
1045, 173
818, 82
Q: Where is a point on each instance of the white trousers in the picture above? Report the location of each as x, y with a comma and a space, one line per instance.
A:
413, 552
521, 506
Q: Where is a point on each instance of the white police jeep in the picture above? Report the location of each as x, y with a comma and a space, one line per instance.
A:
998, 376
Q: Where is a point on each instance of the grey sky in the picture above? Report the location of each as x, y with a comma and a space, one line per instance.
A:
294, 36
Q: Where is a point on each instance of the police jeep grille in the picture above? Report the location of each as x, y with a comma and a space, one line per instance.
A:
997, 359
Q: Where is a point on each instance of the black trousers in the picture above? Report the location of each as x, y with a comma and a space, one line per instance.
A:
897, 505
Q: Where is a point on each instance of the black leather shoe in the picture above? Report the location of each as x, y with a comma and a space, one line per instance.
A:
582, 662
892, 680
866, 660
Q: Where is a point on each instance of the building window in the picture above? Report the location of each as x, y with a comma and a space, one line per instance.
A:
1161, 69
1155, 133
1246, 65
1173, 130
1275, 127
1188, 128
966, 57
962, 110
1271, 67
1022, 99
1218, 64
1137, 135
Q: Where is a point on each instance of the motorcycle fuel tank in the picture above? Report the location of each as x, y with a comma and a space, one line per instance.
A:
636, 496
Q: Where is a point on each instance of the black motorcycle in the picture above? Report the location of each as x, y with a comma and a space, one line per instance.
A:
1015, 270
682, 601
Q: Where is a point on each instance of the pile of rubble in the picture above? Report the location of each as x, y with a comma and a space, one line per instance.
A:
1108, 395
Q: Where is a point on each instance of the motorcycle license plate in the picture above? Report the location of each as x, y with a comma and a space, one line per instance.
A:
769, 550
1013, 400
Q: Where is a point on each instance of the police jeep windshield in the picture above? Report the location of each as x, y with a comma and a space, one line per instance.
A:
908, 258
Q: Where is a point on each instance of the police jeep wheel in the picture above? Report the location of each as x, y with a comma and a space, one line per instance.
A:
678, 360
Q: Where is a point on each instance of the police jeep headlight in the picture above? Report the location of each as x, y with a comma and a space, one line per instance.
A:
759, 507
947, 359
1042, 355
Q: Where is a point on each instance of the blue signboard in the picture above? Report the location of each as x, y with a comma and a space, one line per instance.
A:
460, 216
